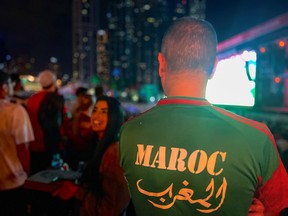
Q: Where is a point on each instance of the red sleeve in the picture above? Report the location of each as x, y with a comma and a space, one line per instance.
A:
117, 194
277, 187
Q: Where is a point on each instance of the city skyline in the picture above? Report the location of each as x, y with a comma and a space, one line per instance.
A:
43, 29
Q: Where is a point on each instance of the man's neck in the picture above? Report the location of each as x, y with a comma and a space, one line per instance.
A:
189, 86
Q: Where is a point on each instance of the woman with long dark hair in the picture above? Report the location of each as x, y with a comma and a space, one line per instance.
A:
103, 180
103, 189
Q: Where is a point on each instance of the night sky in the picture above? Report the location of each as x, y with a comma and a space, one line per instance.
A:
230, 17
42, 28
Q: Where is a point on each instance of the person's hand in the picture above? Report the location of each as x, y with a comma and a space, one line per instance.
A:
256, 208
66, 190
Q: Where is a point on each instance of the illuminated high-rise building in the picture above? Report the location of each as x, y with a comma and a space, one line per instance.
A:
84, 39
135, 30
121, 48
197, 9
103, 72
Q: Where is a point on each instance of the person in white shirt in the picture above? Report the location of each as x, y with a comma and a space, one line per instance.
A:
15, 134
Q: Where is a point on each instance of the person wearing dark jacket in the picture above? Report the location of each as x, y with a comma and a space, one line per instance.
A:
46, 109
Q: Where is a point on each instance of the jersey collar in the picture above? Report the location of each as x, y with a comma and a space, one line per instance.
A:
184, 100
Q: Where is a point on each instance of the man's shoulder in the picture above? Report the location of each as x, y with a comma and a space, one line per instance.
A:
37, 97
51, 97
13, 109
134, 119
38, 94
241, 120
11, 105
51, 102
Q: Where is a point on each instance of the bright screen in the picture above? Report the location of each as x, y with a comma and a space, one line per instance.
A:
233, 82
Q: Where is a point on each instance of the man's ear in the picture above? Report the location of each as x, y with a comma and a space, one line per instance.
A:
162, 64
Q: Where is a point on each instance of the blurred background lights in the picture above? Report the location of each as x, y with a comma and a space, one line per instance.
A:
262, 49
84, 12
30, 78
85, 39
277, 79
135, 98
8, 57
147, 7
124, 94
152, 99
281, 43
151, 19
249, 55
53, 60
101, 32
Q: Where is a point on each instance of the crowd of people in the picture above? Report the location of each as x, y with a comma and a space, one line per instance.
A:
182, 157
35, 131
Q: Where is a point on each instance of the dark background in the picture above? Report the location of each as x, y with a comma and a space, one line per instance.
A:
42, 28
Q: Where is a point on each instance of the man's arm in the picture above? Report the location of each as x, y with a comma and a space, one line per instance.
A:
24, 156
256, 208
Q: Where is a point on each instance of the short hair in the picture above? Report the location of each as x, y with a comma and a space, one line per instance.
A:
4, 77
86, 101
190, 43
46, 79
81, 90
99, 91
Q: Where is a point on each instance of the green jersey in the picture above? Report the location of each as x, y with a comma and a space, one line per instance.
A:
187, 157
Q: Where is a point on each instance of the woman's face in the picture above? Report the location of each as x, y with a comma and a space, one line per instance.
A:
99, 117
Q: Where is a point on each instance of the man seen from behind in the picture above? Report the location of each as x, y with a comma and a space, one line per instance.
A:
187, 157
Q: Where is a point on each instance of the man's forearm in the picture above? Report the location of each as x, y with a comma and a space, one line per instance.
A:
24, 156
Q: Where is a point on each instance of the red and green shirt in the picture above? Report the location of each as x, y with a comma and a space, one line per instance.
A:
187, 157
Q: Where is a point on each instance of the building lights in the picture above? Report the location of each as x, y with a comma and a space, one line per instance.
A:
151, 20
146, 7
277, 79
262, 49
53, 60
281, 43
84, 12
